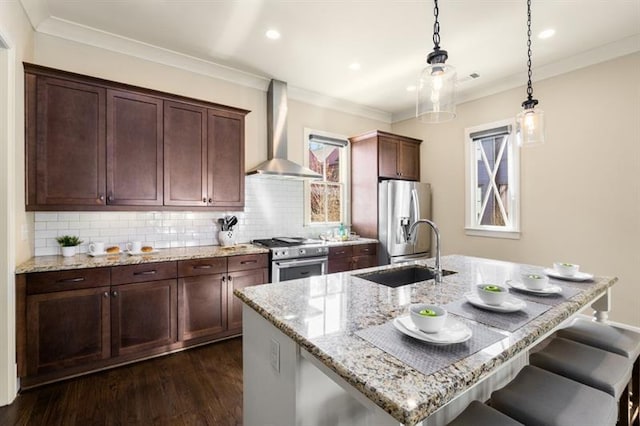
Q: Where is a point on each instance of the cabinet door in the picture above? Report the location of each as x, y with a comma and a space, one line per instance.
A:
66, 329
69, 144
185, 155
360, 262
134, 149
387, 158
226, 159
409, 163
143, 316
341, 264
202, 306
238, 280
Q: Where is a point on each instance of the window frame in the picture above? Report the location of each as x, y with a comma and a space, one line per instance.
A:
345, 180
472, 227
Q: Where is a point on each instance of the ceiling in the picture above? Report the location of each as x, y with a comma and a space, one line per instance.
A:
388, 38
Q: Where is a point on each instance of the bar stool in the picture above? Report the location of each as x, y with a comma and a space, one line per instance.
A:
537, 397
617, 340
479, 414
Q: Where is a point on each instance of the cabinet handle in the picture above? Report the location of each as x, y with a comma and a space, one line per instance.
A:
145, 272
204, 199
230, 278
109, 198
210, 200
101, 197
305, 273
224, 278
114, 293
244, 262
72, 280
203, 267
106, 294
365, 250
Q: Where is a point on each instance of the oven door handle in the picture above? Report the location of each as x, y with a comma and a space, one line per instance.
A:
292, 263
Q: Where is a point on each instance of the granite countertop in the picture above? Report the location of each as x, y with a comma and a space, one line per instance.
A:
322, 314
80, 261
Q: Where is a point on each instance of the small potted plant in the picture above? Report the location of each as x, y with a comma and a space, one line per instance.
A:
68, 244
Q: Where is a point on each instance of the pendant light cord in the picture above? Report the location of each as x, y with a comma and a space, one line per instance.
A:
436, 27
529, 88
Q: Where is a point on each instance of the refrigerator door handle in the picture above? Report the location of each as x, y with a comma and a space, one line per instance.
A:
415, 203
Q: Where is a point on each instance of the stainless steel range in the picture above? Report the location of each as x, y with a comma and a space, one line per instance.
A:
293, 258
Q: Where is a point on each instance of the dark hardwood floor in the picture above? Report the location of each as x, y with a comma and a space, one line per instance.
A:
200, 386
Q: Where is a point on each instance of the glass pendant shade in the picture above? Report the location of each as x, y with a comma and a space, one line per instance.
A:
436, 94
530, 127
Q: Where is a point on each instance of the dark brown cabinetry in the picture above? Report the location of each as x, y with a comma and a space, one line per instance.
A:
244, 271
134, 149
204, 150
94, 144
349, 258
396, 157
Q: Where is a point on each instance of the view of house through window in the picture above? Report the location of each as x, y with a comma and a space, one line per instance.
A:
492, 180
326, 197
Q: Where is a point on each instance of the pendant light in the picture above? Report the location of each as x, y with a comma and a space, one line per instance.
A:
530, 121
437, 85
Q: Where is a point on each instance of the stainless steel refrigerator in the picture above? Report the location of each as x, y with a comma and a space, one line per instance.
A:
400, 203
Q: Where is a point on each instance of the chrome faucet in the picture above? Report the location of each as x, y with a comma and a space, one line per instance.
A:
412, 237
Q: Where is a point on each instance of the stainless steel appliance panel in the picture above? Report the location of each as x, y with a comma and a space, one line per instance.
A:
285, 270
401, 203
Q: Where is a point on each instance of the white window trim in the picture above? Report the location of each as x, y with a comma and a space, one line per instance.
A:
471, 227
344, 171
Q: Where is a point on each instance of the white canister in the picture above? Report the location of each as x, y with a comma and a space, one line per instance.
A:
69, 251
226, 238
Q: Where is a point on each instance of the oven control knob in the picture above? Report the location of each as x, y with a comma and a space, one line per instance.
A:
303, 251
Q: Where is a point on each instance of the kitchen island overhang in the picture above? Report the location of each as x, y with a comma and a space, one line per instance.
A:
304, 363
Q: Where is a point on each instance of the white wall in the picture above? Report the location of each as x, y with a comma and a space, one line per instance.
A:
580, 191
16, 32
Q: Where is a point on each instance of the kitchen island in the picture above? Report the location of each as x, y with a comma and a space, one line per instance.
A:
310, 358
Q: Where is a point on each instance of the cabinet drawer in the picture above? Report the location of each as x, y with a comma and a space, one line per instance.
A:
340, 251
364, 249
143, 272
249, 261
47, 282
196, 267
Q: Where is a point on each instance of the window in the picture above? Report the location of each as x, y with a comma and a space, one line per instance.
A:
326, 199
492, 185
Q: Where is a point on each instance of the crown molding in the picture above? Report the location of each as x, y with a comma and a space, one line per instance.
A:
37, 11
585, 59
75, 32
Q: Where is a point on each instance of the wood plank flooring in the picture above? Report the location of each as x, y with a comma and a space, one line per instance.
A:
200, 386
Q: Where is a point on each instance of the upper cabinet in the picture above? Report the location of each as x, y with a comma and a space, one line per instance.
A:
93, 144
204, 156
398, 157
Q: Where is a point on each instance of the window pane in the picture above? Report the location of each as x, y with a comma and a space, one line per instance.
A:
334, 203
496, 205
316, 157
333, 163
317, 202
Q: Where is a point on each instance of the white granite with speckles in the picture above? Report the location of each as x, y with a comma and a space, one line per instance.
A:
322, 314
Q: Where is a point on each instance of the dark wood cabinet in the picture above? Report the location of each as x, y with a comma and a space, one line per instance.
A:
202, 298
238, 280
205, 157
350, 258
143, 316
66, 143
94, 144
134, 149
396, 157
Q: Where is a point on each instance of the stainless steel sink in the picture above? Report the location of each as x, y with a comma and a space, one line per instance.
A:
398, 277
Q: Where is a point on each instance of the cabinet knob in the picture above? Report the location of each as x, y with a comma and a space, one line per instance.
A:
109, 198
102, 198
230, 278
204, 199
106, 294
224, 278
210, 200
114, 293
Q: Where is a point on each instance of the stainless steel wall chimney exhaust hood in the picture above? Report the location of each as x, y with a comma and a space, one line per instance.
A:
277, 165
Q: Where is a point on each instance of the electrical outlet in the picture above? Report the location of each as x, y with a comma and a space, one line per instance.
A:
275, 355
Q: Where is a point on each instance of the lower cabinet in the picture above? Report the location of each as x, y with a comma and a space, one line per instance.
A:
349, 258
81, 320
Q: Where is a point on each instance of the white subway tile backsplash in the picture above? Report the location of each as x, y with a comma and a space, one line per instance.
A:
272, 208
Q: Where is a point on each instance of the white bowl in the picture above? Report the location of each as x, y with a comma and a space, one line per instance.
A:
492, 294
535, 281
428, 323
568, 269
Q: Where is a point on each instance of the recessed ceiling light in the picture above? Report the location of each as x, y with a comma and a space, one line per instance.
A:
547, 33
273, 34
354, 66
411, 88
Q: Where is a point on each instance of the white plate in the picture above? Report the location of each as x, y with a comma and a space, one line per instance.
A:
102, 254
547, 291
579, 276
140, 253
511, 304
452, 332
